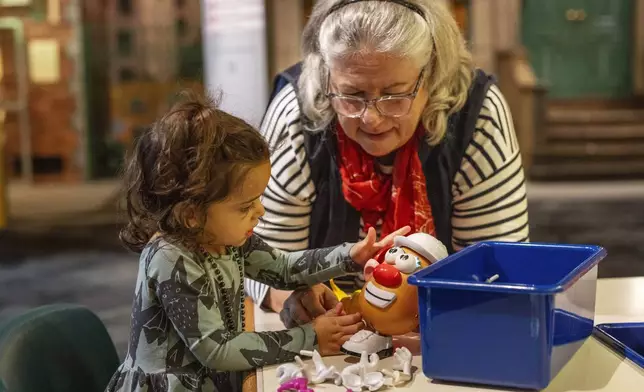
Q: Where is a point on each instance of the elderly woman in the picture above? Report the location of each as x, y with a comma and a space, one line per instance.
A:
386, 123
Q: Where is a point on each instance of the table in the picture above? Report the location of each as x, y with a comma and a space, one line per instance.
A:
593, 368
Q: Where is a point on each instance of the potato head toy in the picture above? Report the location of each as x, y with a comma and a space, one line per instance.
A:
388, 304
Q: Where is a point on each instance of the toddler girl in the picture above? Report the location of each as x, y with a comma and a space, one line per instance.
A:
194, 184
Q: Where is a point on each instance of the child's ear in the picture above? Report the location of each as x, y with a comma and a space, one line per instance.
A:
190, 217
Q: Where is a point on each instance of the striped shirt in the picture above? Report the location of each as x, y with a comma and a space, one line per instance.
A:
488, 191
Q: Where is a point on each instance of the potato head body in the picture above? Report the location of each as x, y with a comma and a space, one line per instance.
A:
387, 303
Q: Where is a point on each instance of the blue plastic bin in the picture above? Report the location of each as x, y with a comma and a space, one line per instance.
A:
518, 331
626, 339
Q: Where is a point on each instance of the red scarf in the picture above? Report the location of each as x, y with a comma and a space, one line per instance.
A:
399, 199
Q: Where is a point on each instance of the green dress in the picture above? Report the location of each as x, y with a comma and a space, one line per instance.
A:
187, 324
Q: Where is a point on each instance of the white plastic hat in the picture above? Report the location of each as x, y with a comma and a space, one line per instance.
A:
424, 244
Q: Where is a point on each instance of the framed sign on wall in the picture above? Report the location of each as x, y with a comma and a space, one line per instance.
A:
15, 3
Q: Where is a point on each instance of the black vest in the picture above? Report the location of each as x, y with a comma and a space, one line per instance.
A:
334, 221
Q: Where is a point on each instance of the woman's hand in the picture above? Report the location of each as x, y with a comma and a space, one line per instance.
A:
303, 306
367, 248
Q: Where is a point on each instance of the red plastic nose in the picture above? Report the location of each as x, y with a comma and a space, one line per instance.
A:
387, 275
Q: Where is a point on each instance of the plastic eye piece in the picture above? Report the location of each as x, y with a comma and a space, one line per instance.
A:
407, 263
392, 254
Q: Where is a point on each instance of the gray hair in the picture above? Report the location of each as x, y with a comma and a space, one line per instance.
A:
435, 44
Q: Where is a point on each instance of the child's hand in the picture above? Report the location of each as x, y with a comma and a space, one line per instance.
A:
367, 248
334, 328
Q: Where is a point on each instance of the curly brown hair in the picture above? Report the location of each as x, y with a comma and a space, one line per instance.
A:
193, 156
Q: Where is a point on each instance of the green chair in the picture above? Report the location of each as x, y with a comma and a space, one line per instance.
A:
56, 348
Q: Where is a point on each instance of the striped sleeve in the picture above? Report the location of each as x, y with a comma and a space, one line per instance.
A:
489, 194
290, 192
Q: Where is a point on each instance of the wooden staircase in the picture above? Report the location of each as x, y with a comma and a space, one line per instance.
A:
586, 141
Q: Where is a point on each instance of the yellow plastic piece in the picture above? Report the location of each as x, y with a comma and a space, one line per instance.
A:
339, 294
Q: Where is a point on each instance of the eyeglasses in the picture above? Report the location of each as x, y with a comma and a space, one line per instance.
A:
396, 105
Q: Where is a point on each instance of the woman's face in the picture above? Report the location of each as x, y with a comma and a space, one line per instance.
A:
372, 76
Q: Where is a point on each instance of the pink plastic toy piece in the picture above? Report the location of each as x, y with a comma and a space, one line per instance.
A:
299, 384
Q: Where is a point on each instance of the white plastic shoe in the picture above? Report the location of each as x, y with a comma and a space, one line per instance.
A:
370, 342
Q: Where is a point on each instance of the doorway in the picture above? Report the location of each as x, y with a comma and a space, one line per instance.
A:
580, 48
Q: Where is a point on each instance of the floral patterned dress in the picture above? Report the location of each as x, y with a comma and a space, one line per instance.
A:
182, 337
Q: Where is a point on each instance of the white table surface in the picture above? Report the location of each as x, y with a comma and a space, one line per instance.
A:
593, 368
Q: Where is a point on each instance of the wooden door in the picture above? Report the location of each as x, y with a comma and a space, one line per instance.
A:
461, 9
6, 62
307, 8
580, 48
96, 66
10, 135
